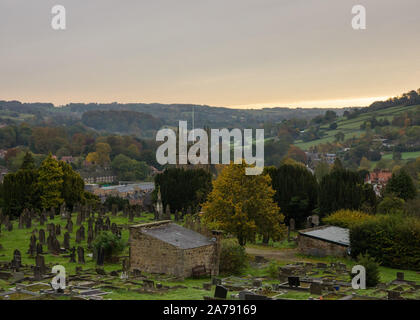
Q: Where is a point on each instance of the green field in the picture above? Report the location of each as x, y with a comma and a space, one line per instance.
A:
404, 155
351, 127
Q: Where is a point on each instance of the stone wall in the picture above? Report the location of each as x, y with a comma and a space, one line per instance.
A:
151, 255
320, 248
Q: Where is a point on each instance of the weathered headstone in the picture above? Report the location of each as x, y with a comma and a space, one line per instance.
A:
66, 242
315, 288
73, 255
39, 248
293, 281
58, 229
80, 255
41, 235
220, 292
100, 256
17, 260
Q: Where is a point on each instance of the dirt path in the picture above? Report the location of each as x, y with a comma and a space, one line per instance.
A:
288, 255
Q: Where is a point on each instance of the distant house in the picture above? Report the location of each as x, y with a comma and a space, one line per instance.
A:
324, 241
378, 179
2, 153
167, 248
68, 159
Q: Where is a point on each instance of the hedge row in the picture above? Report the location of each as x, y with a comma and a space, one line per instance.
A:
347, 218
393, 240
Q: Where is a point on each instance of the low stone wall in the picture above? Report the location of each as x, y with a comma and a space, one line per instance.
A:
320, 248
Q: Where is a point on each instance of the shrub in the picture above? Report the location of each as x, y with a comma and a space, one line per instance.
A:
347, 218
393, 240
372, 269
111, 244
233, 258
391, 205
273, 269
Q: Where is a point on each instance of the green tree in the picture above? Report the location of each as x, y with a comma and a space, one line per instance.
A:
20, 189
50, 183
296, 190
391, 205
243, 205
401, 185
72, 190
343, 189
321, 170
182, 188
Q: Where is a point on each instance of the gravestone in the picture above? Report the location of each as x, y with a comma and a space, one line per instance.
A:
257, 283
82, 233
220, 292
400, 276
41, 236
293, 281
32, 246
56, 246
40, 263
52, 213
69, 226
73, 255
66, 242
207, 286
315, 220
107, 224
315, 288
243, 293
17, 260
394, 295
78, 236
58, 229
39, 248
292, 224
80, 255
37, 274
90, 237
100, 256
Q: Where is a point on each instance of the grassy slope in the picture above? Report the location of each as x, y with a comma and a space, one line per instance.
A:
351, 127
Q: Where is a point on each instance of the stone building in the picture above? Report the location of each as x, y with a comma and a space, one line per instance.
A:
324, 241
167, 248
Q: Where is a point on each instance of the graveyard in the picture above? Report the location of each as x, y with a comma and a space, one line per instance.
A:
32, 245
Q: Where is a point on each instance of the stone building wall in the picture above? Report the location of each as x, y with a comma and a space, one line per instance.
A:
198, 257
151, 255
320, 248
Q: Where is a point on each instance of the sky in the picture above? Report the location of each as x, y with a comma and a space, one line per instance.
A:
232, 53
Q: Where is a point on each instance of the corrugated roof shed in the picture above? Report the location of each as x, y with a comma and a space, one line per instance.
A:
178, 236
329, 233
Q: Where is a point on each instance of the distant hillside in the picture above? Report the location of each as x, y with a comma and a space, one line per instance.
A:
352, 126
351, 123
169, 114
125, 122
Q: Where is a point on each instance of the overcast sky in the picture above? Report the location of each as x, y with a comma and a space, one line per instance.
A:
247, 53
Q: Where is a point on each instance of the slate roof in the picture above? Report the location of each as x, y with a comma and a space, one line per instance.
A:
178, 236
329, 233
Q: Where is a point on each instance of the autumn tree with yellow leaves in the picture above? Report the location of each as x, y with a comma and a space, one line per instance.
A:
243, 206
